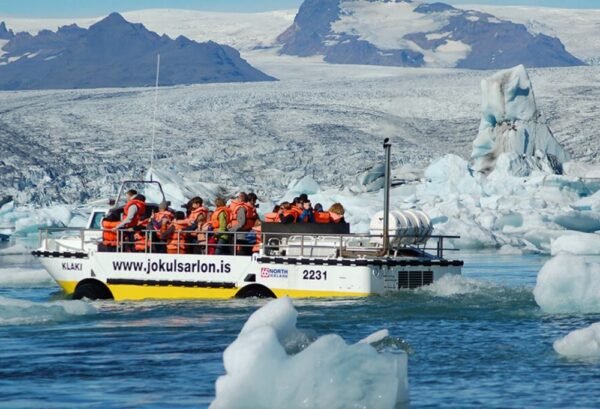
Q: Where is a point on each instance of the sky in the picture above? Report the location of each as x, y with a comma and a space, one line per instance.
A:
94, 8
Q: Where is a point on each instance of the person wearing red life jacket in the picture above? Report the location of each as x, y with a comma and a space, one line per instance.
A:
241, 222
176, 236
297, 208
220, 220
273, 217
161, 221
287, 214
320, 215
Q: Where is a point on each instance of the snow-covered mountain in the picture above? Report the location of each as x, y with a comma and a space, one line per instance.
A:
115, 53
416, 34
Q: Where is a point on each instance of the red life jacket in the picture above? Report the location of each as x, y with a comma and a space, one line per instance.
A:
322, 217
297, 211
214, 219
235, 206
251, 214
258, 231
292, 213
158, 216
109, 238
141, 209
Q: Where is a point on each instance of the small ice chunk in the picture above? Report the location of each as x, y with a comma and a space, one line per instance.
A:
568, 283
582, 343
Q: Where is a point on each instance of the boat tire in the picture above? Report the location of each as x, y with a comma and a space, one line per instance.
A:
92, 290
255, 291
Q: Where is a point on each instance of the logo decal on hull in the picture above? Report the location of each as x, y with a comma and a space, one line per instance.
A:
266, 272
72, 266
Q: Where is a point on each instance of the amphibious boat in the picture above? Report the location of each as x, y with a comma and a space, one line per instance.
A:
296, 260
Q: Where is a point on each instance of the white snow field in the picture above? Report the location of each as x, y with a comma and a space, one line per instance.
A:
580, 344
569, 284
310, 372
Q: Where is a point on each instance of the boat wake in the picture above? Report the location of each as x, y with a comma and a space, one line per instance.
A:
22, 312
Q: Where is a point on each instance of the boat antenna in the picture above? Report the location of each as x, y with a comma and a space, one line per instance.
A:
154, 115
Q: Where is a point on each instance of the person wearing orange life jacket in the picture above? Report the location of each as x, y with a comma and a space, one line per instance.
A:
109, 236
160, 222
298, 208
257, 231
321, 216
133, 211
176, 236
273, 217
220, 220
195, 207
252, 209
287, 215
241, 222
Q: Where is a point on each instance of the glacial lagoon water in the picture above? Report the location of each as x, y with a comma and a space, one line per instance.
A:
478, 341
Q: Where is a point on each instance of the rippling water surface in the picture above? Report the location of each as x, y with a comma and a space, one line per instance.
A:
478, 341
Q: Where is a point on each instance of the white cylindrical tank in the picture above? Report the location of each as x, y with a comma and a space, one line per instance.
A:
405, 227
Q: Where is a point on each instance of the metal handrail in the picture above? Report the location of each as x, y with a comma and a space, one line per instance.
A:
279, 243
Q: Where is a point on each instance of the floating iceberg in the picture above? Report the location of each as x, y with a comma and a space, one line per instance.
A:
582, 343
22, 312
580, 244
273, 365
568, 284
511, 122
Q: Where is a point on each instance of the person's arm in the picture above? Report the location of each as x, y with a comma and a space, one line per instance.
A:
307, 216
222, 222
130, 215
241, 220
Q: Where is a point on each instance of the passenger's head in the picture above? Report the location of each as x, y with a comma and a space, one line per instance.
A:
141, 197
219, 202
195, 202
179, 215
298, 202
252, 198
337, 208
112, 217
286, 205
318, 207
276, 209
131, 193
162, 206
242, 197
303, 197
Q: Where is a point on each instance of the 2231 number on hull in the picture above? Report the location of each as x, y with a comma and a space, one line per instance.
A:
314, 275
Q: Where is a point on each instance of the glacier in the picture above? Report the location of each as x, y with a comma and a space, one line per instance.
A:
309, 371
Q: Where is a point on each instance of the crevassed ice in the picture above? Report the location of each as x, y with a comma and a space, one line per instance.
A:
262, 372
568, 284
582, 343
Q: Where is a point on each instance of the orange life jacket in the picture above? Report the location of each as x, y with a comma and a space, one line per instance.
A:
292, 213
158, 216
235, 206
258, 231
322, 217
272, 218
141, 209
297, 211
191, 219
251, 214
176, 243
214, 219
109, 238
140, 243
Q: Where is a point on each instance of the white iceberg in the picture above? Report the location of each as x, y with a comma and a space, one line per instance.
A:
580, 244
273, 365
580, 344
511, 122
22, 312
568, 284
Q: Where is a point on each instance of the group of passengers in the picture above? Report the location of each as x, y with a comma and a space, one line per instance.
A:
233, 228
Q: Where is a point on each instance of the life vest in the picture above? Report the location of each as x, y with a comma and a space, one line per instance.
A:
158, 216
214, 219
297, 211
235, 206
140, 243
335, 218
176, 243
141, 209
322, 217
251, 214
109, 238
272, 218
290, 212
258, 231
191, 219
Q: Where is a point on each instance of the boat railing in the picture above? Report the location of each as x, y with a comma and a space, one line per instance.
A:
352, 245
